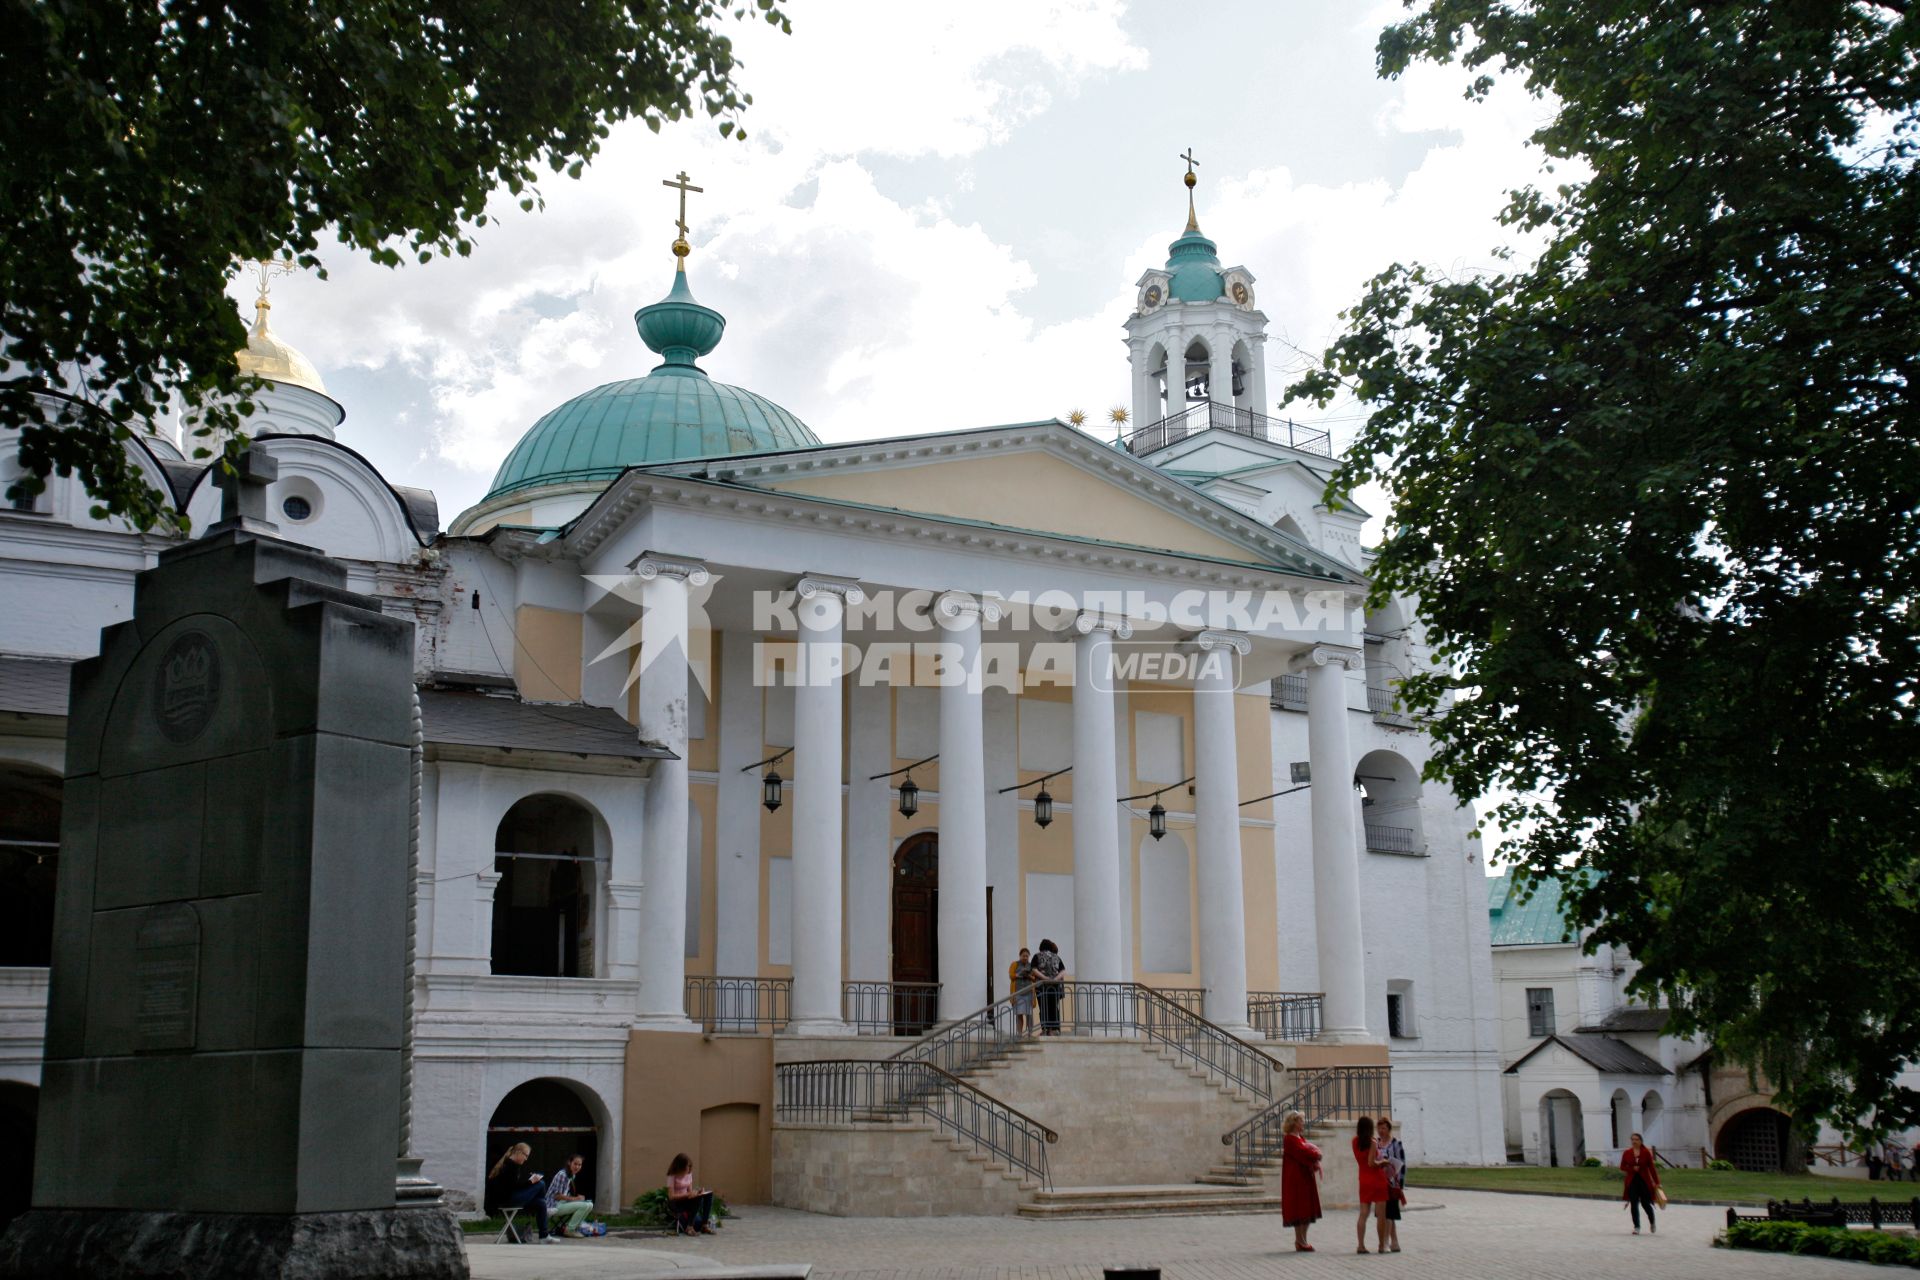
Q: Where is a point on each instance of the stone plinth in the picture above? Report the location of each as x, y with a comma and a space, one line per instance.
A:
222, 1089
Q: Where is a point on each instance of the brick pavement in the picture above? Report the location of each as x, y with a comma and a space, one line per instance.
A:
1476, 1236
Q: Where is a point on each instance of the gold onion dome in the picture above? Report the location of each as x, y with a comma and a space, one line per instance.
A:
266, 356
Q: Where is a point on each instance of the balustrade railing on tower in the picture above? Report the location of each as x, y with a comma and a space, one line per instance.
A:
747, 1006
1285, 1015
1211, 414
1385, 839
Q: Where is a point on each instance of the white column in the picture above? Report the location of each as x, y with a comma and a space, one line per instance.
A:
1220, 372
462, 846
1257, 378
664, 582
962, 922
818, 901
1145, 406
869, 833
1216, 792
1177, 372
484, 886
737, 825
1096, 809
1336, 851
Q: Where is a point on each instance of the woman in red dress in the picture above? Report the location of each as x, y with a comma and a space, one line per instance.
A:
1299, 1179
1373, 1186
1641, 1181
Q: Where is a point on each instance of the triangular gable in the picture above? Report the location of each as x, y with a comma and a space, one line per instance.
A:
1037, 477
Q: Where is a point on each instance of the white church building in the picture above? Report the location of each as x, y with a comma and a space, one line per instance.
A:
753, 758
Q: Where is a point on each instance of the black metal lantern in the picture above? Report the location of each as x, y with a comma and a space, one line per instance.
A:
1043, 810
1157, 820
909, 798
770, 789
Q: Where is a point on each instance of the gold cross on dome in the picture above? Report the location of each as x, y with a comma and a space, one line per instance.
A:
1188, 157
680, 182
1193, 223
266, 270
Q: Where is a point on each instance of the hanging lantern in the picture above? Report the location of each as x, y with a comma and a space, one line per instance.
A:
770, 790
1157, 820
1043, 810
909, 798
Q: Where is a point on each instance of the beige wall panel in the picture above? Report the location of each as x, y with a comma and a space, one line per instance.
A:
1024, 491
672, 1080
546, 659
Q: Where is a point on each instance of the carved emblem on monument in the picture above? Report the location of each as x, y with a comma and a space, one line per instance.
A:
187, 690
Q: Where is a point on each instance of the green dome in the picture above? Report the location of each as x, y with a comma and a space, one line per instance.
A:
1194, 263
675, 412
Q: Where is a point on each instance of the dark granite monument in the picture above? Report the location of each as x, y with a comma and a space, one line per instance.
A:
227, 1032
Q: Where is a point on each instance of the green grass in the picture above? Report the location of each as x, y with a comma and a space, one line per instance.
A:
1679, 1184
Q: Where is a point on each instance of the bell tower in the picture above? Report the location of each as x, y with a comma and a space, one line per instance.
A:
1194, 337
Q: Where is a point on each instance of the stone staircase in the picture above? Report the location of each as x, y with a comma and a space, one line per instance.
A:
1182, 1199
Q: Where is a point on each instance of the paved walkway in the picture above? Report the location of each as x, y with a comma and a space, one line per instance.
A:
1477, 1235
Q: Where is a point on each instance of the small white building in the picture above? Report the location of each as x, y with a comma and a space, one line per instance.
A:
637, 828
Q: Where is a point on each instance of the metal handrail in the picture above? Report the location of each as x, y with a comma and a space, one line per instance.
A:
1385, 839
890, 1008
849, 1091
1328, 1094
750, 1006
1285, 1015
966, 1041
1226, 417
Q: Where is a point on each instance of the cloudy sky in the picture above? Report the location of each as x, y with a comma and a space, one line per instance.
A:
936, 222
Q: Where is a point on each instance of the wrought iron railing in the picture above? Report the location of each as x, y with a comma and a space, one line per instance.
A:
1290, 693
888, 1089
751, 1006
982, 1036
1285, 1015
1330, 1094
1384, 839
1192, 999
1131, 1008
1384, 702
1225, 417
890, 1008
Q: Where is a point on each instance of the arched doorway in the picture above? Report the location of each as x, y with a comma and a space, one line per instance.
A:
553, 1119
544, 908
29, 862
19, 1110
1650, 1128
1757, 1140
1622, 1118
916, 932
1563, 1141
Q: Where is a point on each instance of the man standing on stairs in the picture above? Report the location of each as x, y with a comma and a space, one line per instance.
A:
1049, 968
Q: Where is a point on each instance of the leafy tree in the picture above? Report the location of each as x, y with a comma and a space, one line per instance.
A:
1656, 494
145, 146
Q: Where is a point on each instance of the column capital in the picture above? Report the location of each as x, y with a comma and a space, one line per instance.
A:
1089, 621
952, 606
622, 894
1210, 640
1322, 654
654, 564
813, 584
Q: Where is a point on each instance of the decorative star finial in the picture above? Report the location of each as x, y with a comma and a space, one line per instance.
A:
680, 246
1193, 223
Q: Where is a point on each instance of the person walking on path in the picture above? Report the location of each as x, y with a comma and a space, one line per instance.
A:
1299, 1179
1373, 1187
1396, 1157
1049, 968
1642, 1182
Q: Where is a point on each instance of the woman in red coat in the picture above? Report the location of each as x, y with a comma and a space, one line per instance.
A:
1299, 1179
1374, 1189
1642, 1180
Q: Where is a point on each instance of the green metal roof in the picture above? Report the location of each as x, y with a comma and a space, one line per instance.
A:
1539, 921
675, 412
1194, 262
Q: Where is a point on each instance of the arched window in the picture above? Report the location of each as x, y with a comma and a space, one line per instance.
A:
1389, 790
1563, 1141
1199, 374
546, 908
553, 1118
1650, 1108
29, 860
1622, 1109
